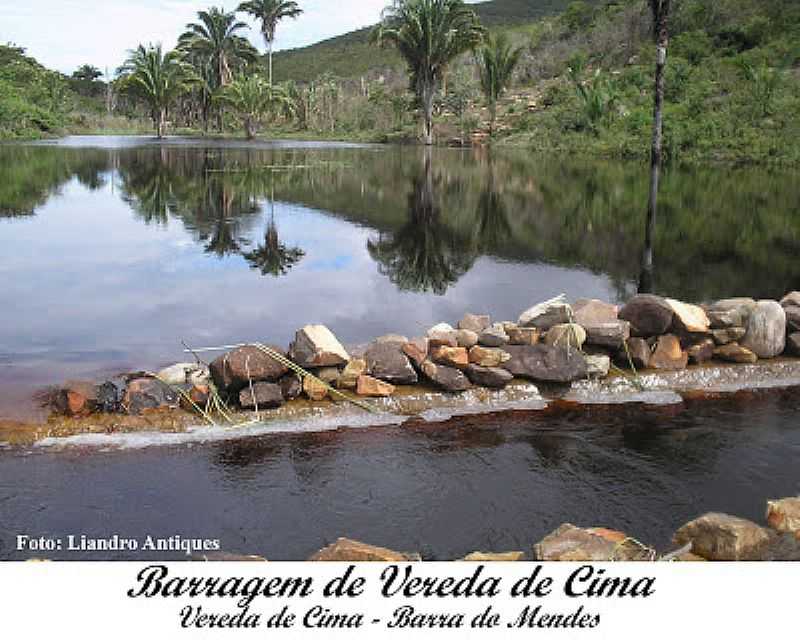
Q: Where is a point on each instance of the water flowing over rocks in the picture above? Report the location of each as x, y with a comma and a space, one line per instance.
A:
766, 329
718, 536
315, 346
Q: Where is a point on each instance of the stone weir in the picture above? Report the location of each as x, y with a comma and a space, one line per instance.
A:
652, 350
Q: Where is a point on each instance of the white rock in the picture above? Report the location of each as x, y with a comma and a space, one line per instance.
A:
766, 330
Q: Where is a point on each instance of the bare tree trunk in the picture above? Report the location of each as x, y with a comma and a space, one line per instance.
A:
249, 128
269, 50
661, 9
427, 107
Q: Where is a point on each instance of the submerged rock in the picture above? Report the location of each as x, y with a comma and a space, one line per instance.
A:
264, 395
784, 515
388, 362
544, 363
447, 378
718, 536
735, 353
494, 336
611, 335
546, 315
573, 544
488, 356
315, 346
148, 393
234, 370
566, 336
346, 550
766, 330
668, 355
374, 388
648, 315
474, 323
491, 377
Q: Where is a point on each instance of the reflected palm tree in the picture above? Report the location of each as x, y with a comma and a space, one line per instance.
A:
424, 255
493, 229
273, 257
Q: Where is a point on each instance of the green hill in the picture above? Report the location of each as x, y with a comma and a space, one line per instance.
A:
350, 55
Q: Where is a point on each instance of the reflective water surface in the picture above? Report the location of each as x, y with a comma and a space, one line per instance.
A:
498, 483
113, 250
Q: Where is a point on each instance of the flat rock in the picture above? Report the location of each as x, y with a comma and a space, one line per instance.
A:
611, 335
566, 336
648, 315
598, 366
546, 315
314, 389
352, 372
523, 335
148, 393
569, 543
488, 556
718, 536
668, 355
494, 336
490, 377
388, 362
315, 346
234, 370
735, 353
726, 336
457, 357
346, 550
265, 395
688, 318
466, 338
446, 378
488, 356
701, 352
374, 388
588, 313
784, 515
543, 363
766, 330
416, 350
474, 323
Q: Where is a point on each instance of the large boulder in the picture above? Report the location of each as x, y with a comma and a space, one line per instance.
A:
766, 330
688, 318
264, 395
649, 315
491, 377
784, 515
589, 313
236, 369
611, 335
569, 543
148, 393
345, 550
566, 336
315, 346
546, 315
488, 356
446, 378
474, 323
718, 536
668, 355
543, 363
388, 362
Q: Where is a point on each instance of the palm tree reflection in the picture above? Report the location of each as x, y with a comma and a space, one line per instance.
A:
273, 257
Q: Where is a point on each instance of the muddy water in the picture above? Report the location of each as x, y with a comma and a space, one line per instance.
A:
494, 483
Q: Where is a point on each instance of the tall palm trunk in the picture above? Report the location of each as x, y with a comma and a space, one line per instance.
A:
661, 9
161, 123
269, 52
428, 92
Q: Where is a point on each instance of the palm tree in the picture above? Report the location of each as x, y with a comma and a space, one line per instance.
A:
157, 77
253, 98
429, 35
497, 60
215, 39
273, 257
270, 13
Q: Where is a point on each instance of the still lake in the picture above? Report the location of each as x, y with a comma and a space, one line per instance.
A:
116, 249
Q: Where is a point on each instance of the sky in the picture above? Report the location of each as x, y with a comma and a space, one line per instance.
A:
64, 34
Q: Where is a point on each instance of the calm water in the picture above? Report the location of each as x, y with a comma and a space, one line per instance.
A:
116, 249
495, 485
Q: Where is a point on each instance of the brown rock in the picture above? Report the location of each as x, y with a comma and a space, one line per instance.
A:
447, 378
611, 335
726, 336
494, 336
374, 388
199, 395
488, 356
345, 550
442, 335
457, 357
148, 393
265, 395
315, 346
523, 335
230, 371
388, 362
570, 543
314, 389
688, 318
701, 352
668, 355
488, 556
490, 377
291, 387
588, 313
784, 515
466, 338
76, 398
639, 352
474, 323
735, 353
416, 351
352, 372
542, 363
649, 315
717, 536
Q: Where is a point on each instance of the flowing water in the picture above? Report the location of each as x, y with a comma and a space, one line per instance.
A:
114, 250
